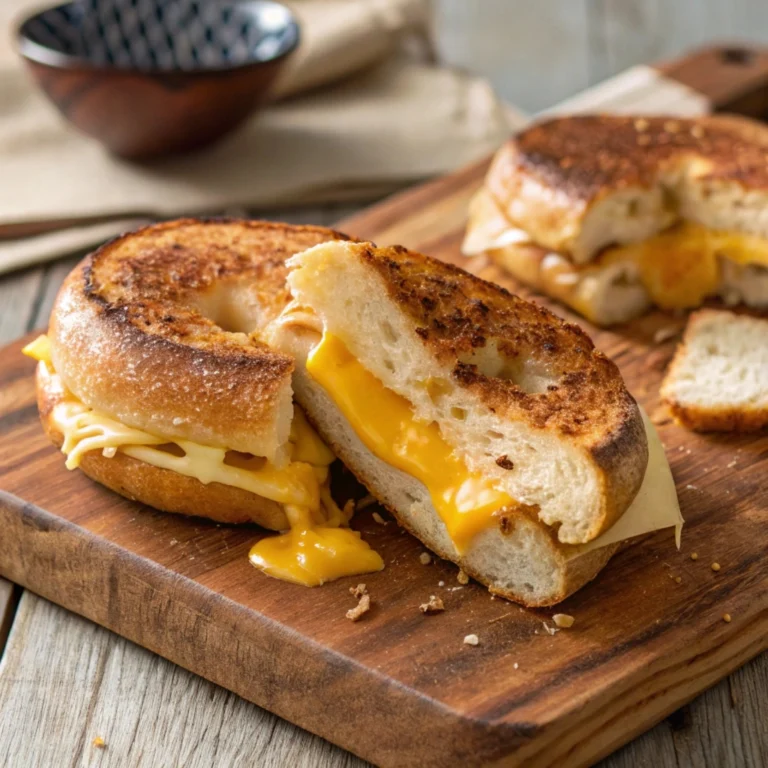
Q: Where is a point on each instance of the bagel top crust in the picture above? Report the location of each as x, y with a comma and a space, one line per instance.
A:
551, 176
159, 329
457, 315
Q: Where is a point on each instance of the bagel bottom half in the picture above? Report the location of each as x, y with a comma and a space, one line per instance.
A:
163, 489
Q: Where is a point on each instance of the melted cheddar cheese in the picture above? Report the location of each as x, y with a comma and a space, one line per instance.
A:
384, 422
679, 267
316, 549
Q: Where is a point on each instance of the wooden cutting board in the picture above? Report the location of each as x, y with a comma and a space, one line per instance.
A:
398, 687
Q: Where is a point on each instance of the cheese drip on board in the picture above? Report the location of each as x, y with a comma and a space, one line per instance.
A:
317, 548
383, 420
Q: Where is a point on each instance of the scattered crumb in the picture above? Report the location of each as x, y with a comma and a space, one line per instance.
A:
379, 519
356, 613
499, 618
643, 140
678, 580
727, 618
715, 566
99, 742
440, 583
471, 640
641, 124
665, 334
359, 590
731, 464
462, 577
454, 589
672, 126
550, 630
694, 555
366, 501
515, 666
691, 487
425, 558
697, 131
435, 605
174, 542
563, 620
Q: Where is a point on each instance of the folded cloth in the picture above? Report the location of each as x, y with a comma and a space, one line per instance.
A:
390, 121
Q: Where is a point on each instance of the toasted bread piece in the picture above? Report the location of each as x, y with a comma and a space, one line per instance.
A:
578, 184
155, 328
718, 379
500, 376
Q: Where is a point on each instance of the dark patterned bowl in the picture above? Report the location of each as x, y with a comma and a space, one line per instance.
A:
153, 77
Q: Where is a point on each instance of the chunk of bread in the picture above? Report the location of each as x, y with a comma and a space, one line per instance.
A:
718, 379
500, 376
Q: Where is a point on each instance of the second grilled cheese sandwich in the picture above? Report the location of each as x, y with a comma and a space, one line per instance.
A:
579, 210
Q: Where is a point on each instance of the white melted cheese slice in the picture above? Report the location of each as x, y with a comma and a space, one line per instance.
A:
655, 507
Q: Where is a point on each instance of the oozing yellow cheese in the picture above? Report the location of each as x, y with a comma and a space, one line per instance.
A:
384, 421
311, 555
316, 549
39, 349
679, 267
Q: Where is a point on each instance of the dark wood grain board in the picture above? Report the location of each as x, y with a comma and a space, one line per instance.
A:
398, 687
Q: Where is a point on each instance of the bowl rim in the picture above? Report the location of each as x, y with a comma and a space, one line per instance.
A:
42, 54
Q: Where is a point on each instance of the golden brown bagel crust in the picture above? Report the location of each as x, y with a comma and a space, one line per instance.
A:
548, 177
156, 329
160, 488
455, 313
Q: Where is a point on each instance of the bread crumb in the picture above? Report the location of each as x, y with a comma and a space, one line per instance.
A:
99, 742
377, 518
665, 334
440, 583
694, 555
643, 140
174, 542
563, 620
366, 501
550, 630
678, 580
462, 577
359, 590
434, 605
697, 132
641, 124
715, 566
515, 666
731, 464
356, 613
471, 640
425, 558
727, 618
672, 126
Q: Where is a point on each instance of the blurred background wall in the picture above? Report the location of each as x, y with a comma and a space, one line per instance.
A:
537, 52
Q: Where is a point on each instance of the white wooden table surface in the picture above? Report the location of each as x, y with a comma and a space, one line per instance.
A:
65, 681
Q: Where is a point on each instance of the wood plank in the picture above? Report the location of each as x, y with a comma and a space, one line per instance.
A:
7, 609
18, 297
148, 711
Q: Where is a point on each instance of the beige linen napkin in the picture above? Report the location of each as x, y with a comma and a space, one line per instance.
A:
395, 121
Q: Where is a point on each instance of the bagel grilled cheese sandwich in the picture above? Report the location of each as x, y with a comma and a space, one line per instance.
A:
612, 215
492, 430
153, 382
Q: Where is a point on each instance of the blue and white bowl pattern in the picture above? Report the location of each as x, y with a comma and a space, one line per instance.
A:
166, 35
